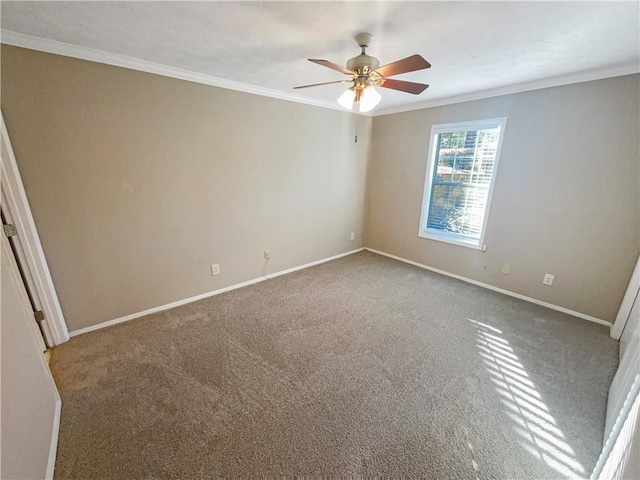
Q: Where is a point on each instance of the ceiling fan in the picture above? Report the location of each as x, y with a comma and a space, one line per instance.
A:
366, 73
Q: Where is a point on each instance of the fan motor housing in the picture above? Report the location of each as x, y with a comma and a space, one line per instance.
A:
358, 63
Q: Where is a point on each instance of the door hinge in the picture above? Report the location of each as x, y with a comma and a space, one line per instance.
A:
39, 314
9, 230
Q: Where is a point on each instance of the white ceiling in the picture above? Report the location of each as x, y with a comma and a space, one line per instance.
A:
477, 49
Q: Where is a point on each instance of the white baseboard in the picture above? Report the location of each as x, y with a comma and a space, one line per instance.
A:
178, 303
495, 289
311, 264
51, 464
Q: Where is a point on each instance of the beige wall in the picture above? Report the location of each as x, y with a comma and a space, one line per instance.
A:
29, 396
566, 198
138, 183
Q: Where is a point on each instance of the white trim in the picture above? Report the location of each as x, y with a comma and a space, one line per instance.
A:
37, 339
447, 237
578, 77
161, 308
18, 206
495, 289
93, 55
633, 290
16, 249
311, 264
195, 298
44, 332
51, 464
628, 405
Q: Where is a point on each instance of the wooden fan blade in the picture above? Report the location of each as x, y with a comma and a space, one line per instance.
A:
325, 83
409, 87
334, 66
409, 64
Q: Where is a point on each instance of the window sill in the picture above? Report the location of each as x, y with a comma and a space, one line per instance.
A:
453, 239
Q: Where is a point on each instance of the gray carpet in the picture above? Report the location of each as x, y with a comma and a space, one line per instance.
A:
360, 366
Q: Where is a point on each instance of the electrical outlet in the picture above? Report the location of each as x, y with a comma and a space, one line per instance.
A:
353, 236
267, 255
548, 279
215, 269
506, 268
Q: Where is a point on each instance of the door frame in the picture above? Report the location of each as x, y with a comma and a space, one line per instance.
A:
633, 290
20, 212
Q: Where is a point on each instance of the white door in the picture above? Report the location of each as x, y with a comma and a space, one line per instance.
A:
628, 368
620, 458
29, 401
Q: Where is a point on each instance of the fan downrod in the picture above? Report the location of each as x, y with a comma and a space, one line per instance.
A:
363, 64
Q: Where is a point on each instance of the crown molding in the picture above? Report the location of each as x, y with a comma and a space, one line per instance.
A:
93, 55
578, 77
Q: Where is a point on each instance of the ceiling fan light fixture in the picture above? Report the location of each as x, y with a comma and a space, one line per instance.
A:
347, 98
365, 72
365, 97
369, 99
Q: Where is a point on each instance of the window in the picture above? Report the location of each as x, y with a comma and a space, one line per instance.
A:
460, 174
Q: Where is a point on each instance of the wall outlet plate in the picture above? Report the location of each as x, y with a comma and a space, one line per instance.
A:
548, 279
353, 236
506, 268
215, 269
267, 255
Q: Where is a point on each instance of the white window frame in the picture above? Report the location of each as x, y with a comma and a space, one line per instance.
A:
448, 237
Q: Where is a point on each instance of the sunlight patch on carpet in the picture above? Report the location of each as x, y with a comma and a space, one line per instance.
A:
523, 404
